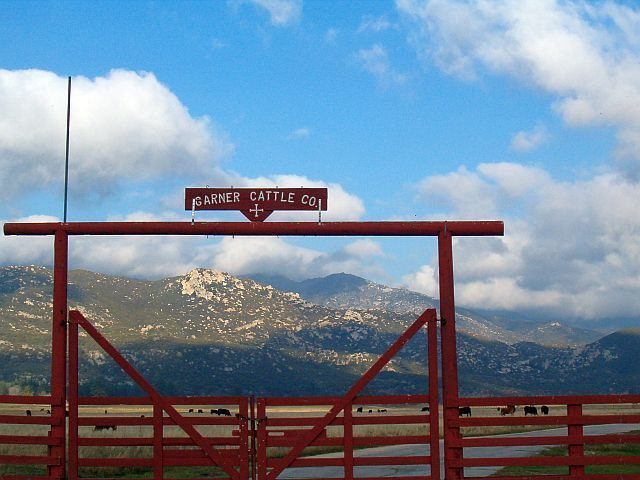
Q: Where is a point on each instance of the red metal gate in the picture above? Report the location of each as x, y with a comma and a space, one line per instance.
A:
227, 453
246, 451
296, 433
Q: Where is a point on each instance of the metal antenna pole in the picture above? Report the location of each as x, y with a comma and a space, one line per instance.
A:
66, 157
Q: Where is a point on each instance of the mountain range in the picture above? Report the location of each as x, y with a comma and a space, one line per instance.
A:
208, 332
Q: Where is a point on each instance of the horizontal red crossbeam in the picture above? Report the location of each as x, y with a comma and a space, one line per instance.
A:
393, 229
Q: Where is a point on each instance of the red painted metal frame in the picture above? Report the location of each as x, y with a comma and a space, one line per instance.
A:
300, 439
161, 404
444, 230
394, 229
30, 402
573, 419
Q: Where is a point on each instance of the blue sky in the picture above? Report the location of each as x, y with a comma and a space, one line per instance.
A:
525, 111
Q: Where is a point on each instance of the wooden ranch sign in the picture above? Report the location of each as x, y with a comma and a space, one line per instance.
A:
255, 203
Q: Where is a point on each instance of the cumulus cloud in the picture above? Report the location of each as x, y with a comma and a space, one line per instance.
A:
16, 250
153, 256
570, 248
157, 257
375, 60
584, 54
281, 12
118, 121
528, 141
424, 281
247, 255
343, 206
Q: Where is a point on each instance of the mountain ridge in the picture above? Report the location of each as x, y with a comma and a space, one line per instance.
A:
208, 332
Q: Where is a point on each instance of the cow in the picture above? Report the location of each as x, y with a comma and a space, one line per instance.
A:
191, 410
382, 410
425, 409
370, 411
200, 410
530, 410
99, 428
359, 410
544, 409
28, 413
464, 411
223, 411
508, 410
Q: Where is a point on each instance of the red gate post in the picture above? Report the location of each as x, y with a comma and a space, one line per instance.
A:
262, 439
73, 401
347, 434
449, 355
434, 427
243, 427
575, 429
252, 418
158, 448
59, 354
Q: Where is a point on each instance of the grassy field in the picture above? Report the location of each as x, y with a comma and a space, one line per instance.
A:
138, 431
624, 449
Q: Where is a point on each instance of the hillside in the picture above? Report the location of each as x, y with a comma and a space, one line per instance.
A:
207, 332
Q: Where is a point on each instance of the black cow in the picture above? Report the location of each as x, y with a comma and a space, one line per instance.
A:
200, 410
370, 411
223, 411
425, 409
359, 410
544, 409
464, 411
99, 428
191, 410
530, 410
382, 410
28, 413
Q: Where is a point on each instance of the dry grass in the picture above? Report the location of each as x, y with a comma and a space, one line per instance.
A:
365, 430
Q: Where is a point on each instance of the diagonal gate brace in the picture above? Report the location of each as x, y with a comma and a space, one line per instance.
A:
427, 315
77, 317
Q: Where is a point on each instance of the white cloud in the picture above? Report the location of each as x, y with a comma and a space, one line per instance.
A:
342, 206
528, 141
587, 55
282, 12
425, 281
247, 255
463, 192
16, 250
375, 60
124, 125
299, 133
370, 23
570, 248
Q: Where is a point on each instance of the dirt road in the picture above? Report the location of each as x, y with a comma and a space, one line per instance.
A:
413, 450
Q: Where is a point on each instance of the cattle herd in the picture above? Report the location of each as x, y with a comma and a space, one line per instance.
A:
509, 410
466, 411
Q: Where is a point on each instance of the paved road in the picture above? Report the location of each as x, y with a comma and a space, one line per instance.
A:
413, 450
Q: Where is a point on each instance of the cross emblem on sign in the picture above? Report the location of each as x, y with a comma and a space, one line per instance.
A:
256, 210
